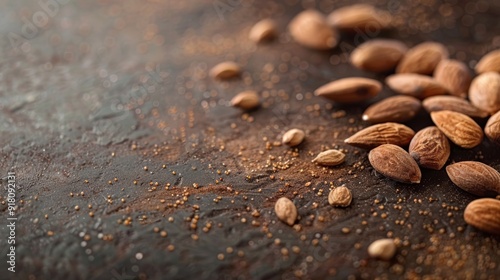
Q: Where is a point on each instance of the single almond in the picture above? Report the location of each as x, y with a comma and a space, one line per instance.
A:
329, 158
359, 18
310, 29
459, 128
350, 90
430, 148
384, 133
422, 58
246, 100
379, 55
225, 70
492, 128
395, 163
475, 177
340, 197
293, 137
484, 92
393, 109
484, 214
263, 30
286, 211
383, 249
453, 75
452, 103
490, 62
415, 85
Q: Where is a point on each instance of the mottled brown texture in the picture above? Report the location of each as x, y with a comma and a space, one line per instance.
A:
393, 109
459, 128
350, 90
475, 177
395, 163
422, 58
452, 103
330, 157
484, 214
378, 55
484, 92
430, 148
310, 29
453, 75
415, 85
383, 133
340, 197
492, 128
286, 211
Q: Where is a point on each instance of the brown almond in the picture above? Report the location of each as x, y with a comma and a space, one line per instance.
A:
350, 90
415, 85
393, 109
484, 92
452, 103
379, 134
383, 249
286, 211
379, 55
453, 75
246, 100
293, 137
492, 128
475, 177
395, 163
310, 29
225, 70
329, 158
490, 62
263, 30
359, 17
340, 197
430, 148
484, 214
422, 58
459, 128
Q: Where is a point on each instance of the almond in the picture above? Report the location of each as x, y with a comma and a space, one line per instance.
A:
484, 214
378, 55
383, 249
263, 30
286, 211
340, 197
489, 63
225, 70
415, 85
492, 128
392, 109
350, 90
384, 133
293, 137
359, 17
453, 75
452, 103
246, 100
310, 29
459, 128
395, 163
475, 177
484, 92
422, 58
430, 148
329, 158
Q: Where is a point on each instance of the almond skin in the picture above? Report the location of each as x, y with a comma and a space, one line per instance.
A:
225, 70
393, 109
459, 128
383, 249
492, 128
395, 163
340, 197
452, 103
378, 55
293, 137
430, 148
329, 158
359, 17
379, 134
453, 75
246, 100
484, 92
264, 30
484, 214
350, 90
489, 63
310, 29
422, 58
475, 177
286, 211
418, 86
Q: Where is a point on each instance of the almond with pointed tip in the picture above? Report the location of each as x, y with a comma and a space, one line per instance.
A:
395, 163
430, 148
264, 30
393, 109
459, 128
492, 128
453, 75
379, 55
293, 137
452, 103
310, 29
422, 58
286, 211
246, 100
490, 62
379, 134
225, 70
484, 92
415, 85
350, 90
484, 214
329, 158
359, 17
475, 177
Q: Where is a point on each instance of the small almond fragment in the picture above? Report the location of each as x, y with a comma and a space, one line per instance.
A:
484, 92
459, 128
492, 128
286, 211
379, 55
384, 133
490, 62
225, 70
415, 85
340, 197
393, 109
475, 177
350, 90
422, 58
293, 137
329, 158
484, 214
452, 103
430, 148
383, 249
359, 17
310, 29
264, 30
395, 163
453, 75
246, 100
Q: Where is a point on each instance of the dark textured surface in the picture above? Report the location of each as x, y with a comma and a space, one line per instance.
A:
109, 87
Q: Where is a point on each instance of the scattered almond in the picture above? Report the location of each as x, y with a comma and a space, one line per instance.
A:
246, 100
484, 214
263, 30
329, 158
393, 109
492, 128
310, 29
340, 197
225, 70
415, 85
430, 148
422, 58
489, 63
379, 55
293, 137
475, 177
383, 249
384, 133
453, 75
350, 90
359, 17
452, 103
484, 92
395, 163
459, 128
286, 211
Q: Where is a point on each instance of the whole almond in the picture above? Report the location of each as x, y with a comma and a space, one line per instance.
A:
489, 63
384, 133
453, 75
475, 177
310, 29
459, 128
350, 90
293, 137
383, 249
430, 148
484, 92
286, 211
329, 158
395, 163
225, 70
359, 17
484, 214
452, 103
393, 109
379, 55
422, 58
492, 128
340, 197
246, 100
263, 30
415, 85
